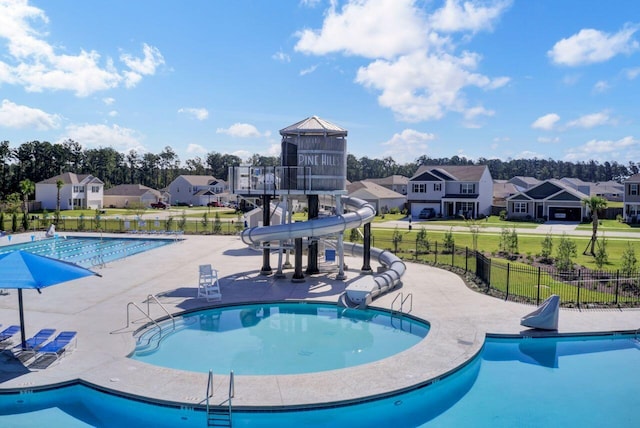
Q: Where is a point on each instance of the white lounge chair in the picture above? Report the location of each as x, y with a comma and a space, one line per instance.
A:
208, 285
546, 316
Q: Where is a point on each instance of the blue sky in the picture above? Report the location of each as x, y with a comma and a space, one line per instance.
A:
494, 79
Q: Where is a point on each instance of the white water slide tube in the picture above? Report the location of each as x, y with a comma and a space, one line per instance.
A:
366, 288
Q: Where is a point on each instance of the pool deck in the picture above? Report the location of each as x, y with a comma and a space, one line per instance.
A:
96, 307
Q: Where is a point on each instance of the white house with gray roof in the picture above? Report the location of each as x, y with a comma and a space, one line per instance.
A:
78, 191
550, 200
458, 190
126, 195
196, 190
381, 198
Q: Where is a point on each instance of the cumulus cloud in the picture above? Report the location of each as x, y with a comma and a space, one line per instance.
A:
308, 70
121, 139
242, 130
546, 122
548, 140
467, 16
108, 101
17, 116
591, 120
281, 56
196, 149
407, 145
36, 65
624, 149
590, 46
196, 113
413, 65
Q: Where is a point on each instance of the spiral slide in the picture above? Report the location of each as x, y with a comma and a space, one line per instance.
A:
362, 291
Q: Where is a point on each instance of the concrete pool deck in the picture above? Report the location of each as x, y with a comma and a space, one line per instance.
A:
97, 308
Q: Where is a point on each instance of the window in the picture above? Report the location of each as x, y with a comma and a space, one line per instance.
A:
95, 189
633, 189
78, 189
467, 188
419, 188
466, 207
437, 187
520, 207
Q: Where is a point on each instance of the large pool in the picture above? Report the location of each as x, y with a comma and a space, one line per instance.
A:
88, 251
563, 382
278, 338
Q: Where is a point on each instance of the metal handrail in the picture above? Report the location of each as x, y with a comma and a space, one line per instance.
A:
209, 389
232, 393
398, 296
151, 296
403, 300
143, 313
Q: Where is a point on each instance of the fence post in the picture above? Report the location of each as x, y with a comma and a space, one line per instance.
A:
578, 296
538, 295
416, 247
435, 260
508, 274
466, 259
617, 284
453, 253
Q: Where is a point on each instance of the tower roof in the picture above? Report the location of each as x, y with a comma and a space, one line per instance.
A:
313, 125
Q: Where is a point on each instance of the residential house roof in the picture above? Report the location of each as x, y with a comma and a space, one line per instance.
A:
550, 189
390, 180
131, 190
635, 178
72, 178
451, 172
372, 191
524, 182
200, 180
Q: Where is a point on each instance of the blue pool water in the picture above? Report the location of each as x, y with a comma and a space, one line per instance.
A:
279, 338
566, 382
88, 251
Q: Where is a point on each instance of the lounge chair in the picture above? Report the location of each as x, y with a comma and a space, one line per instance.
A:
64, 342
208, 285
34, 343
546, 316
9, 332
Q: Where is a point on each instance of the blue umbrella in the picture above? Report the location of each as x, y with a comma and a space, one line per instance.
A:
22, 269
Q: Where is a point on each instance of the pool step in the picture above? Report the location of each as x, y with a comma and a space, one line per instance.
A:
219, 418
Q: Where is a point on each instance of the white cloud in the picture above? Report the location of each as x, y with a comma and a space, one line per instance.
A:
242, 130
108, 101
113, 113
196, 148
473, 16
407, 145
22, 117
633, 73
245, 155
591, 120
308, 70
414, 68
548, 140
36, 65
528, 154
196, 113
601, 86
281, 56
590, 46
546, 122
274, 150
121, 139
624, 149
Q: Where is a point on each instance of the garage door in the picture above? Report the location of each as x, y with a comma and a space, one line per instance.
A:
564, 214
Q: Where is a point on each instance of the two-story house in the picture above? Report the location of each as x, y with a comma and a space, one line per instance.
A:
632, 199
550, 200
459, 190
197, 190
78, 191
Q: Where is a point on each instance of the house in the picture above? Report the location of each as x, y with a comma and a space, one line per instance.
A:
550, 200
610, 190
197, 190
523, 182
632, 199
380, 197
78, 191
458, 190
502, 189
397, 183
126, 195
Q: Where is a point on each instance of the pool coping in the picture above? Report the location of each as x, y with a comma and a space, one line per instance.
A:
459, 319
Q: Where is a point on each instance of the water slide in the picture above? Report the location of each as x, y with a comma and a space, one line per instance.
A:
362, 291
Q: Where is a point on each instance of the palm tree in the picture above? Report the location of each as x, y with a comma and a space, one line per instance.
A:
59, 184
27, 187
594, 204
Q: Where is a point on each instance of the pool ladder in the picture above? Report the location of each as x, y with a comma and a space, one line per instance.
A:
220, 416
403, 300
147, 315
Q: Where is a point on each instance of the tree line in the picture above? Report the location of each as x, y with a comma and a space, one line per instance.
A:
37, 161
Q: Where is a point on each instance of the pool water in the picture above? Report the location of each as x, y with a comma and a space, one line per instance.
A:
87, 251
283, 338
560, 382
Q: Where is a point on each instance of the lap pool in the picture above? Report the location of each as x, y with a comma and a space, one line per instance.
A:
568, 382
282, 338
88, 251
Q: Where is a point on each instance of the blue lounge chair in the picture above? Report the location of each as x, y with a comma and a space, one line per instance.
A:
34, 343
57, 347
9, 332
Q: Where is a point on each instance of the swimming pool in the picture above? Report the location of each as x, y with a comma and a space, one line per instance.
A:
568, 382
278, 338
88, 251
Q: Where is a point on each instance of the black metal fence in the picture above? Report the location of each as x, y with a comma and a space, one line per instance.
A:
527, 283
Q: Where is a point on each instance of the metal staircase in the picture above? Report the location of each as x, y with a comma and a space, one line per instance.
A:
219, 416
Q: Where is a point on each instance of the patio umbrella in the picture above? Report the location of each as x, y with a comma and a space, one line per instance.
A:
22, 269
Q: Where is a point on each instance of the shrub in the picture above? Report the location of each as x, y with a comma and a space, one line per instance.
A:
503, 214
629, 260
566, 250
448, 241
